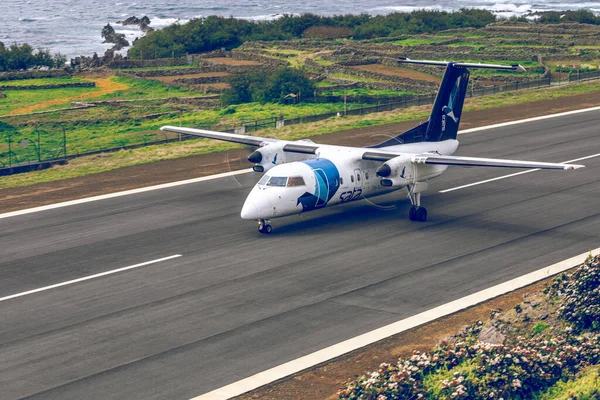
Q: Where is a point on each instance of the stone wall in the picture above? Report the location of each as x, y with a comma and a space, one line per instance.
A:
53, 73
49, 86
159, 62
174, 72
268, 62
200, 80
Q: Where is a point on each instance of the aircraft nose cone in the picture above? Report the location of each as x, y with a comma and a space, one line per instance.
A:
249, 211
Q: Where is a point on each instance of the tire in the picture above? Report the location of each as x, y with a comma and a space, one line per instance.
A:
411, 213
421, 214
268, 229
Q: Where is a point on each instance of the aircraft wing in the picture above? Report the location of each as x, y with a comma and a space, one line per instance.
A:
228, 137
304, 147
488, 162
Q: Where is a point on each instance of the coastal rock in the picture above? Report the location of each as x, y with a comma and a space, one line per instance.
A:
490, 334
110, 36
143, 23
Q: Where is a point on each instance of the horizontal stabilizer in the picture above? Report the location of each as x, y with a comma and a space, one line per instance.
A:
489, 162
515, 67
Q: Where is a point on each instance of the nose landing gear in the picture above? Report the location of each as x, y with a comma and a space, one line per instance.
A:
264, 227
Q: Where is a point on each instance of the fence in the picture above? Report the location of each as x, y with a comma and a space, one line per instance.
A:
42, 146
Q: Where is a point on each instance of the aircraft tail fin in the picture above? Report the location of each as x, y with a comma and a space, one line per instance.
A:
447, 108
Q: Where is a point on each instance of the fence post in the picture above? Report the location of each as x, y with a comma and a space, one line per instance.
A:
39, 151
9, 149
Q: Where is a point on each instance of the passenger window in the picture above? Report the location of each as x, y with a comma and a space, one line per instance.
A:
335, 183
263, 180
366, 175
352, 178
295, 181
277, 181
341, 181
358, 176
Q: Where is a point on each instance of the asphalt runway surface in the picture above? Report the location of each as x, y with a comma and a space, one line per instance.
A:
237, 302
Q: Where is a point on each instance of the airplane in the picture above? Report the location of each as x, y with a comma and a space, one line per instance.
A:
301, 176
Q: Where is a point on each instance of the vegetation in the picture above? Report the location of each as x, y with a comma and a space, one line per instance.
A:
211, 33
21, 57
266, 87
548, 364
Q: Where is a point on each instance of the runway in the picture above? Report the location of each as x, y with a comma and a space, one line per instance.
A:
236, 302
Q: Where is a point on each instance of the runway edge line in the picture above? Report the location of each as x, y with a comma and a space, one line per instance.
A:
319, 357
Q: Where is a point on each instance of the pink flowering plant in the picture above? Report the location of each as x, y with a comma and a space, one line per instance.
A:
579, 294
518, 369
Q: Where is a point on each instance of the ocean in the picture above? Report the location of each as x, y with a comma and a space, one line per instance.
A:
72, 27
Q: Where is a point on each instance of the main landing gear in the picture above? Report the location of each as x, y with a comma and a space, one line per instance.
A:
264, 227
416, 213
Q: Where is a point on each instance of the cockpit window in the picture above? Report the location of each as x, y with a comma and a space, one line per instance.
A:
277, 181
295, 181
264, 179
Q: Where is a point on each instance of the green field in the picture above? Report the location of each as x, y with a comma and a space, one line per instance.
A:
15, 100
43, 81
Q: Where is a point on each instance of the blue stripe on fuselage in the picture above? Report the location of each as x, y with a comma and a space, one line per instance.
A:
327, 182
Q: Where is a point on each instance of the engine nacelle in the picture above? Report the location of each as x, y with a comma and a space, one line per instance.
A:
267, 157
396, 172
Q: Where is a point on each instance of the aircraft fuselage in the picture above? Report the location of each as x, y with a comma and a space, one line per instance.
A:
335, 175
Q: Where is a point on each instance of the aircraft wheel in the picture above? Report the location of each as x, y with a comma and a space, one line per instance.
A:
421, 214
263, 227
411, 213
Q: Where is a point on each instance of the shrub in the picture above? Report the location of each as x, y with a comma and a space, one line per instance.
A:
580, 295
476, 370
540, 327
480, 370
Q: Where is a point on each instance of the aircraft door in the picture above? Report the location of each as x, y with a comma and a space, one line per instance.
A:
358, 178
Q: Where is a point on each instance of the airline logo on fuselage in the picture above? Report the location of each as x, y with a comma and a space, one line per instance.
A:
327, 182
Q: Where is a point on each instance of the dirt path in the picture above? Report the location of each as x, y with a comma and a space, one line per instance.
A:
103, 86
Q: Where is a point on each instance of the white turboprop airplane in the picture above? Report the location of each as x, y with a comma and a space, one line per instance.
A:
302, 176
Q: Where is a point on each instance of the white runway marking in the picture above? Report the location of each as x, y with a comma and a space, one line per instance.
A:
244, 171
86, 278
511, 175
337, 350
124, 193
521, 121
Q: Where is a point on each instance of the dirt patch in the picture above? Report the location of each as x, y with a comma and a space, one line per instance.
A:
190, 167
397, 71
169, 79
217, 86
232, 61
